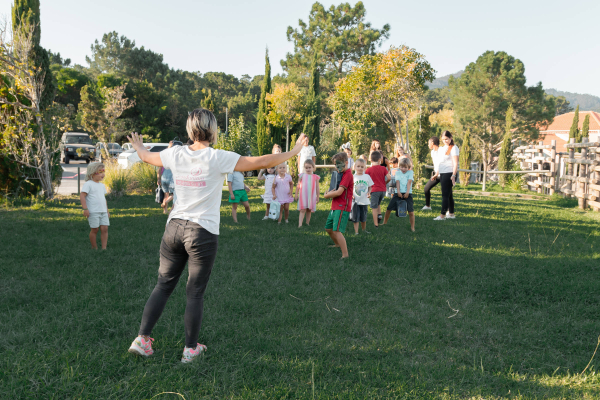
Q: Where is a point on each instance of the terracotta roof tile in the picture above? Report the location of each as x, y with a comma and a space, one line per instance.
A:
563, 122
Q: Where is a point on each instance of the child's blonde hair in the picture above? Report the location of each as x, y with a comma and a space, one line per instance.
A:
404, 162
309, 161
93, 169
360, 161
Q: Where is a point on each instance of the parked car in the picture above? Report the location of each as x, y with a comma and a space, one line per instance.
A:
130, 157
114, 149
127, 146
77, 146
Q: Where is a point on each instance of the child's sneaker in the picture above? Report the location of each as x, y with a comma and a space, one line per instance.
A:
141, 346
426, 208
190, 354
266, 217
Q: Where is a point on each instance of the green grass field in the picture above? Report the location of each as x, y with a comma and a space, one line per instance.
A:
500, 303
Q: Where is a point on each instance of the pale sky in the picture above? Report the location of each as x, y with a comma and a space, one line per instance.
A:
557, 41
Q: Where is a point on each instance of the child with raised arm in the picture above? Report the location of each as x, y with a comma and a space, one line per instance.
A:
404, 180
307, 192
380, 176
267, 175
341, 204
238, 193
283, 185
93, 202
361, 193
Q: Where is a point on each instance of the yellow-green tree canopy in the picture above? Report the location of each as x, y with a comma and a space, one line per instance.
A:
285, 106
383, 86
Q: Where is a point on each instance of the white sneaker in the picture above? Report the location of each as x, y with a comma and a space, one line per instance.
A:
190, 354
450, 216
265, 218
426, 208
439, 218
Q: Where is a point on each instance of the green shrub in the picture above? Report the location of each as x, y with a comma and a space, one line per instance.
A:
143, 177
116, 178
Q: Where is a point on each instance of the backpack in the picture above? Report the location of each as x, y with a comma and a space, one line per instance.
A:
274, 209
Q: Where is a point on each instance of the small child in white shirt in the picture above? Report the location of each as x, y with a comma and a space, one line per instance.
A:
93, 202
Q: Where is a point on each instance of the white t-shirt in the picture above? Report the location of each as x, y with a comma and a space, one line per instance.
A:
362, 183
198, 177
307, 152
95, 200
445, 161
436, 161
350, 163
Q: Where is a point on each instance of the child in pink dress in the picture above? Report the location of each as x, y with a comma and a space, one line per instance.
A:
307, 192
282, 191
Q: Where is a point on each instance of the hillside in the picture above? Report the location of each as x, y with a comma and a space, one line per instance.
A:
587, 102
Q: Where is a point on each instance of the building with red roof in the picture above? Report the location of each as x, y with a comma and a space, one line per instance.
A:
559, 129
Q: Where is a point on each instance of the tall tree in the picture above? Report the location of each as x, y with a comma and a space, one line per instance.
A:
464, 161
561, 104
285, 108
574, 131
312, 120
483, 93
505, 159
263, 140
585, 130
339, 36
420, 132
26, 13
109, 56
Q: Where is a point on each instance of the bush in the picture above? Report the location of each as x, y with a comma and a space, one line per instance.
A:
143, 177
116, 179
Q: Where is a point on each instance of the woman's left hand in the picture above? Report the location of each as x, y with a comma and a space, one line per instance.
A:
453, 179
136, 141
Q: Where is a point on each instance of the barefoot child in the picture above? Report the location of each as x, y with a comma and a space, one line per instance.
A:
282, 191
267, 175
341, 204
361, 193
307, 192
404, 181
238, 193
94, 205
380, 176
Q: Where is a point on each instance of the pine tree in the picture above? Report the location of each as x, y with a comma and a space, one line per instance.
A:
312, 120
574, 131
27, 13
464, 161
263, 141
585, 130
505, 159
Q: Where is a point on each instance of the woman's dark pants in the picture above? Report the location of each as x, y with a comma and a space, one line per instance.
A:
447, 199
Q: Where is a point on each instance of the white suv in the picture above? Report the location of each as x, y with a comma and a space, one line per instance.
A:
130, 157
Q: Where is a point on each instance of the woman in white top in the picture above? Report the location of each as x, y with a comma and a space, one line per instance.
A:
192, 231
447, 169
434, 145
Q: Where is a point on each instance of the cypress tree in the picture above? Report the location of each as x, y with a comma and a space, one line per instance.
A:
505, 159
464, 160
574, 131
263, 141
585, 130
27, 13
420, 132
312, 120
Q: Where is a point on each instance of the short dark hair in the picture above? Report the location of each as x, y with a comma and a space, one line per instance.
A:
201, 126
435, 140
394, 160
340, 156
376, 156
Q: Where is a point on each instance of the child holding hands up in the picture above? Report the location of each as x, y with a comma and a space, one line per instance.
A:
341, 204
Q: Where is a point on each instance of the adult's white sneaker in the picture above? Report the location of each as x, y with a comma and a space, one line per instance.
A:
439, 218
426, 208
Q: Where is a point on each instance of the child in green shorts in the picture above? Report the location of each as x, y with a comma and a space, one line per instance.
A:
341, 204
238, 193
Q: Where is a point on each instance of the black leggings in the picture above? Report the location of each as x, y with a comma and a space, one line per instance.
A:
447, 199
183, 242
430, 185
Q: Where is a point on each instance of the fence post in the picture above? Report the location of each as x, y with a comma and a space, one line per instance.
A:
78, 181
569, 184
553, 169
583, 174
484, 179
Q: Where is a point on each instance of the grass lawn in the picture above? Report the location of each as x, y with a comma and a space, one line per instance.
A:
500, 303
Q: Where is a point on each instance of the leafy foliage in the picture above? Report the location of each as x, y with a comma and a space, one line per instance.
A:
263, 141
574, 131
420, 132
285, 107
464, 159
239, 138
312, 119
585, 130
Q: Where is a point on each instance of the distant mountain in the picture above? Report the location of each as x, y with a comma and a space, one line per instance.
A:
587, 102
442, 81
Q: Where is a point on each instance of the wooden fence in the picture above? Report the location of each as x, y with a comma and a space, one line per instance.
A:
573, 174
